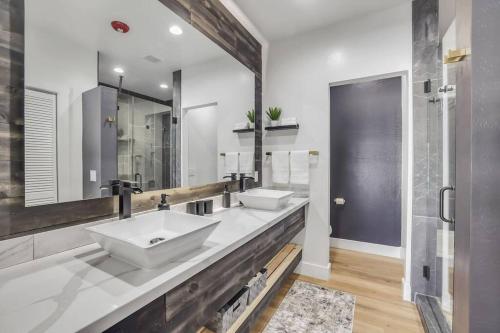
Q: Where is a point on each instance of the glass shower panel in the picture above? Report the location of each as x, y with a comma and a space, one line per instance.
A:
144, 142
445, 237
125, 137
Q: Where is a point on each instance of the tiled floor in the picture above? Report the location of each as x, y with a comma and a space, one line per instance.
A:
376, 283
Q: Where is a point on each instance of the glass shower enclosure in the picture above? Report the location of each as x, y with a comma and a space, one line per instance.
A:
446, 228
144, 136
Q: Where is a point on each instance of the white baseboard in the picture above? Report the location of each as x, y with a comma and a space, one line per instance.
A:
314, 270
371, 248
406, 291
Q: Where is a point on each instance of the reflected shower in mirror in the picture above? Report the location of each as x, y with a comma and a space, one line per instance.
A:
119, 89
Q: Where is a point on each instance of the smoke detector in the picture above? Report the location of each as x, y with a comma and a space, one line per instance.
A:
152, 59
120, 26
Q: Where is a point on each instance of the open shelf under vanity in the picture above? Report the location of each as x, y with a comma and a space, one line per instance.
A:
279, 268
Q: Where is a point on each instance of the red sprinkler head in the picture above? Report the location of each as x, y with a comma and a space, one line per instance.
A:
120, 26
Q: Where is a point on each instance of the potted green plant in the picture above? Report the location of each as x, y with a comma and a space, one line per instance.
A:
251, 118
274, 114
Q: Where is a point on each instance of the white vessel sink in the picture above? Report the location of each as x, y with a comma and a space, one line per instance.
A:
265, 199
153, 239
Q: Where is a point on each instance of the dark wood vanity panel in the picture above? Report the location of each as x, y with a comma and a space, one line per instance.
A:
209, 16
193, 304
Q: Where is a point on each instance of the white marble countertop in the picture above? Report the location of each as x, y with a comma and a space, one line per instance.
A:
86, 290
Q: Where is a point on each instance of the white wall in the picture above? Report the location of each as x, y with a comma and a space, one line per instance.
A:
202, 145
59, 65
300, 70
231, 86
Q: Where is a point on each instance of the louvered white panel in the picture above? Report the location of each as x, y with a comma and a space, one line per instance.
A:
40, 148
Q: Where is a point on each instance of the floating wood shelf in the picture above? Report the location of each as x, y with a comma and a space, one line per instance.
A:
244, 130
281, 265
282, 127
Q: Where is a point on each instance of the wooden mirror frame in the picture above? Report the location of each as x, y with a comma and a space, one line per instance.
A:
210, 17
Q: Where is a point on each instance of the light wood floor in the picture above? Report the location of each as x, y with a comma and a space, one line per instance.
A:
376, 283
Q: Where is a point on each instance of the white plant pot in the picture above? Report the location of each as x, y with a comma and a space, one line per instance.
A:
251, 125
275, 123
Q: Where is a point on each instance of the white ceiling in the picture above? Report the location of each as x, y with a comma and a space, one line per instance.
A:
278, 19
88, 23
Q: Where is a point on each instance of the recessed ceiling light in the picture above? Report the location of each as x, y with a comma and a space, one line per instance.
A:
175, 30
164, 86
119, 70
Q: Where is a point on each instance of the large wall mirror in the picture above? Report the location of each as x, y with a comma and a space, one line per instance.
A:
125, 89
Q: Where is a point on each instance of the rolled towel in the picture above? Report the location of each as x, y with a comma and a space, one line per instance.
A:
231, 163
281, 167
246, 163
299, 167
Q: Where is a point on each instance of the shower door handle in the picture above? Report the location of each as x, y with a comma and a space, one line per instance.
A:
442, 191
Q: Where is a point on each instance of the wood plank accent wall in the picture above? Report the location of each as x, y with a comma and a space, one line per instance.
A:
208, 16
193, 303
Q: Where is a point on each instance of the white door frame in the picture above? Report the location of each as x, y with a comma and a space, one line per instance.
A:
404, 252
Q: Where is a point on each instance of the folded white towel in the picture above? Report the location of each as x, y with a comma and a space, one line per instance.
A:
299, 167
231, 163
281, 167
238, 126
289, 121
246, 163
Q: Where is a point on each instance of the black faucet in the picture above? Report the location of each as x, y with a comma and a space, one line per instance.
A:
243, 179
124, 189
233, 176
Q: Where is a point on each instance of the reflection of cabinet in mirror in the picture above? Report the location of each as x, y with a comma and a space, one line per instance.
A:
99, 140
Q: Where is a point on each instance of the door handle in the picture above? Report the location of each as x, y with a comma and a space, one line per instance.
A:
442, 191
339, 201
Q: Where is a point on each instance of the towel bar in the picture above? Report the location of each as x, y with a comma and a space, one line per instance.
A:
224, 154
311, 152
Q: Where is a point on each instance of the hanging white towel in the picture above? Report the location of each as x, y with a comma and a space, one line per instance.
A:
299, 167
281, 167
231, 163
246, 163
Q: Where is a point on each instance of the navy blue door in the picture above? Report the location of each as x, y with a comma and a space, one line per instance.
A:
365, 133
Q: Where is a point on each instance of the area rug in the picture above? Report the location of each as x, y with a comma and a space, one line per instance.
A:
313, 309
